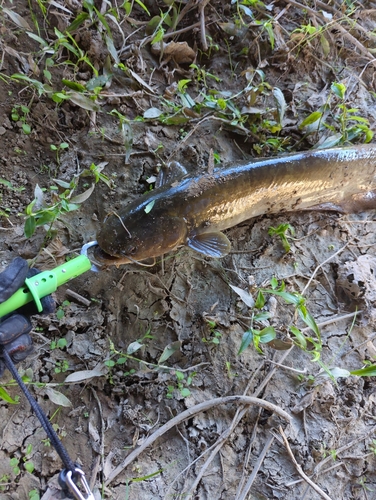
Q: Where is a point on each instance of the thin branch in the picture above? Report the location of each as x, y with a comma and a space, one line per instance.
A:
206, 405
256, 468
320, 265
300, 470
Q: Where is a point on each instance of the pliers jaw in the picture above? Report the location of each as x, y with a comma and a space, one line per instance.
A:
84, 251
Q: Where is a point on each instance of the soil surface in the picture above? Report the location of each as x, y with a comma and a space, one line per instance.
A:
145, 345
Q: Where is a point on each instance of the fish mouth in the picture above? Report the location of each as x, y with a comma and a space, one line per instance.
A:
105, 259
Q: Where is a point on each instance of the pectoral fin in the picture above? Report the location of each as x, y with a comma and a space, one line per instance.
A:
210, 244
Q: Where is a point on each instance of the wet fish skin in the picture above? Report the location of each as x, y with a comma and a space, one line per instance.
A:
197, 209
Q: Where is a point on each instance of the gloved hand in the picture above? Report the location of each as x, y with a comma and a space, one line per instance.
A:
15, 328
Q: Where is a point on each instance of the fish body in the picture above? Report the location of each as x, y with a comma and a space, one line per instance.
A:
195, 210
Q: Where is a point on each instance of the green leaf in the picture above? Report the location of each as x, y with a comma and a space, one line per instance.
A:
274, 282
61, 343
77, 22
182, 84
185, 392
290, 298
149, 206
246, 341
329, 142
73, 85
121, 361
59, 97
29, 466
281, 103
143, 6
37, 38
169, 351
309, 320
312, 118
300, 338
83, 101
60, 313
262, 316
267, 334
6, 397
97, 81
26, 128
46, 218
260, 301
368, 371
339, 89
30, 226
103, 20
158, 36
359, 119
152, 25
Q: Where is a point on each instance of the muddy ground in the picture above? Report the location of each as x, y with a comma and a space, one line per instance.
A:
183, 308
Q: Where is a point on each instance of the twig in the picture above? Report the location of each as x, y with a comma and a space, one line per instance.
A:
201, 10
266, 380
334, 319
320, 265
288, 367
78, 297
248, 454
325, 471
206, 405
240, 412
300, 470
101, 454
256, 468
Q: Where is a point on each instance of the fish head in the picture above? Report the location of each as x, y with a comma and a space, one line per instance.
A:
135, 235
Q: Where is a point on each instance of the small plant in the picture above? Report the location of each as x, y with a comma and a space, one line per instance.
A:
58, 344
61, 366
327, 452
372, 446
58, 149
27, 463
20, 114
50, 205
4, 480
215, 335
60, 313
229, 371
119, 358
14, 463
285, 232
253, 334
34, 495
182, 385
335, 115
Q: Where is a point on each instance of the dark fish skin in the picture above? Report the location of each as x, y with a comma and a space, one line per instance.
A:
195, 210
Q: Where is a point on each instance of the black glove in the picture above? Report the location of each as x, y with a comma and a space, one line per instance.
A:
15, 328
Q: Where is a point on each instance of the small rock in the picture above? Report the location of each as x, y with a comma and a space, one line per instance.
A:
2, 130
